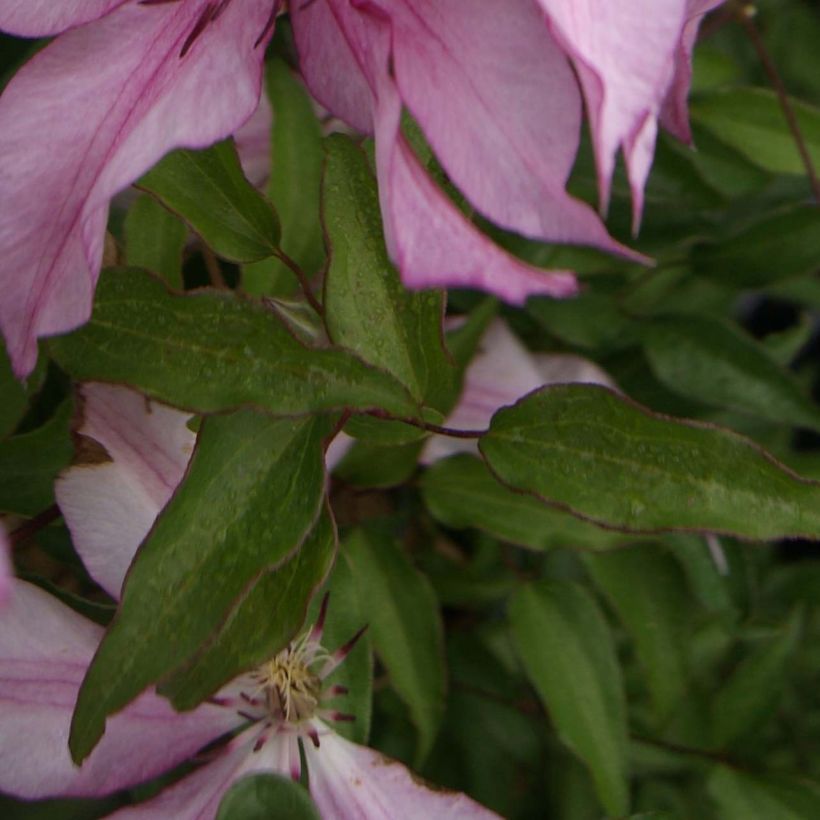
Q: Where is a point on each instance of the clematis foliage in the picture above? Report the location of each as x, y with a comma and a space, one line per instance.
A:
409, 409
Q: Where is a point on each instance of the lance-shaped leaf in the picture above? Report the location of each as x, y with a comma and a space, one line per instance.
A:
569, 655
251, 496
607, 459
212, 351
154, 240
781, 245
461, 492
709, 360
264, 621
209, 191
742, 796
369, 311
405, 626
295, 183
751, 121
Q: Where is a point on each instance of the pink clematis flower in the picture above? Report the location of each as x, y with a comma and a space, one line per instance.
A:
45, 649
630, 58
126, 82
501, 373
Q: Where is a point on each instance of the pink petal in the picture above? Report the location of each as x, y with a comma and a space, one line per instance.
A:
624, 56
674, 114
73, 135
501, 373
350, 782
42, 18
110, 506
337, 450
428, 237
253, 143
6, 569
500, 106
45, 648
197, 796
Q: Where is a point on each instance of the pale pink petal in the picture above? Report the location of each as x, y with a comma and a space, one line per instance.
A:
430, 240
674, 114
500, 106
624, 56
253, 143
501, 373
6, 569
45, 648
350, 782
110, 506
72, 135
42, 18
337, 450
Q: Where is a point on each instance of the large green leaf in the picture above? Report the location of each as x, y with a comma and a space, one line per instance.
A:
154, 239
212, 351
250, 498
266, 797
569, 656
781, 245
601, 456
209, 191
742, 796
713, 362
295, 182
648, 591
406, 628
752, 122
269, 615
30, 462
461, 492
369, 311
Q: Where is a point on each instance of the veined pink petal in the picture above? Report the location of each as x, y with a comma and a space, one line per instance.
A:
72, 135
674, 114
350, 782
501, 373
500, 106
45, 648
42, 18
197, 796
110, 506
430, 240
6, 570
624, 56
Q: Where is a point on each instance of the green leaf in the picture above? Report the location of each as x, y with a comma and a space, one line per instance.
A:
211, 351
602, 457
30, 462
754, 690
569, 656
251, 495
742, 796
405, 626
268, 616
782, 245
209, 191
13, 392
461, 492
295, 182
648, 591
369, 311
267, 797
154, 240
713, 362
378, 465
751, 121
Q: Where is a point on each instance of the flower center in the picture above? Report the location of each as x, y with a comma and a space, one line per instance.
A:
291, 689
